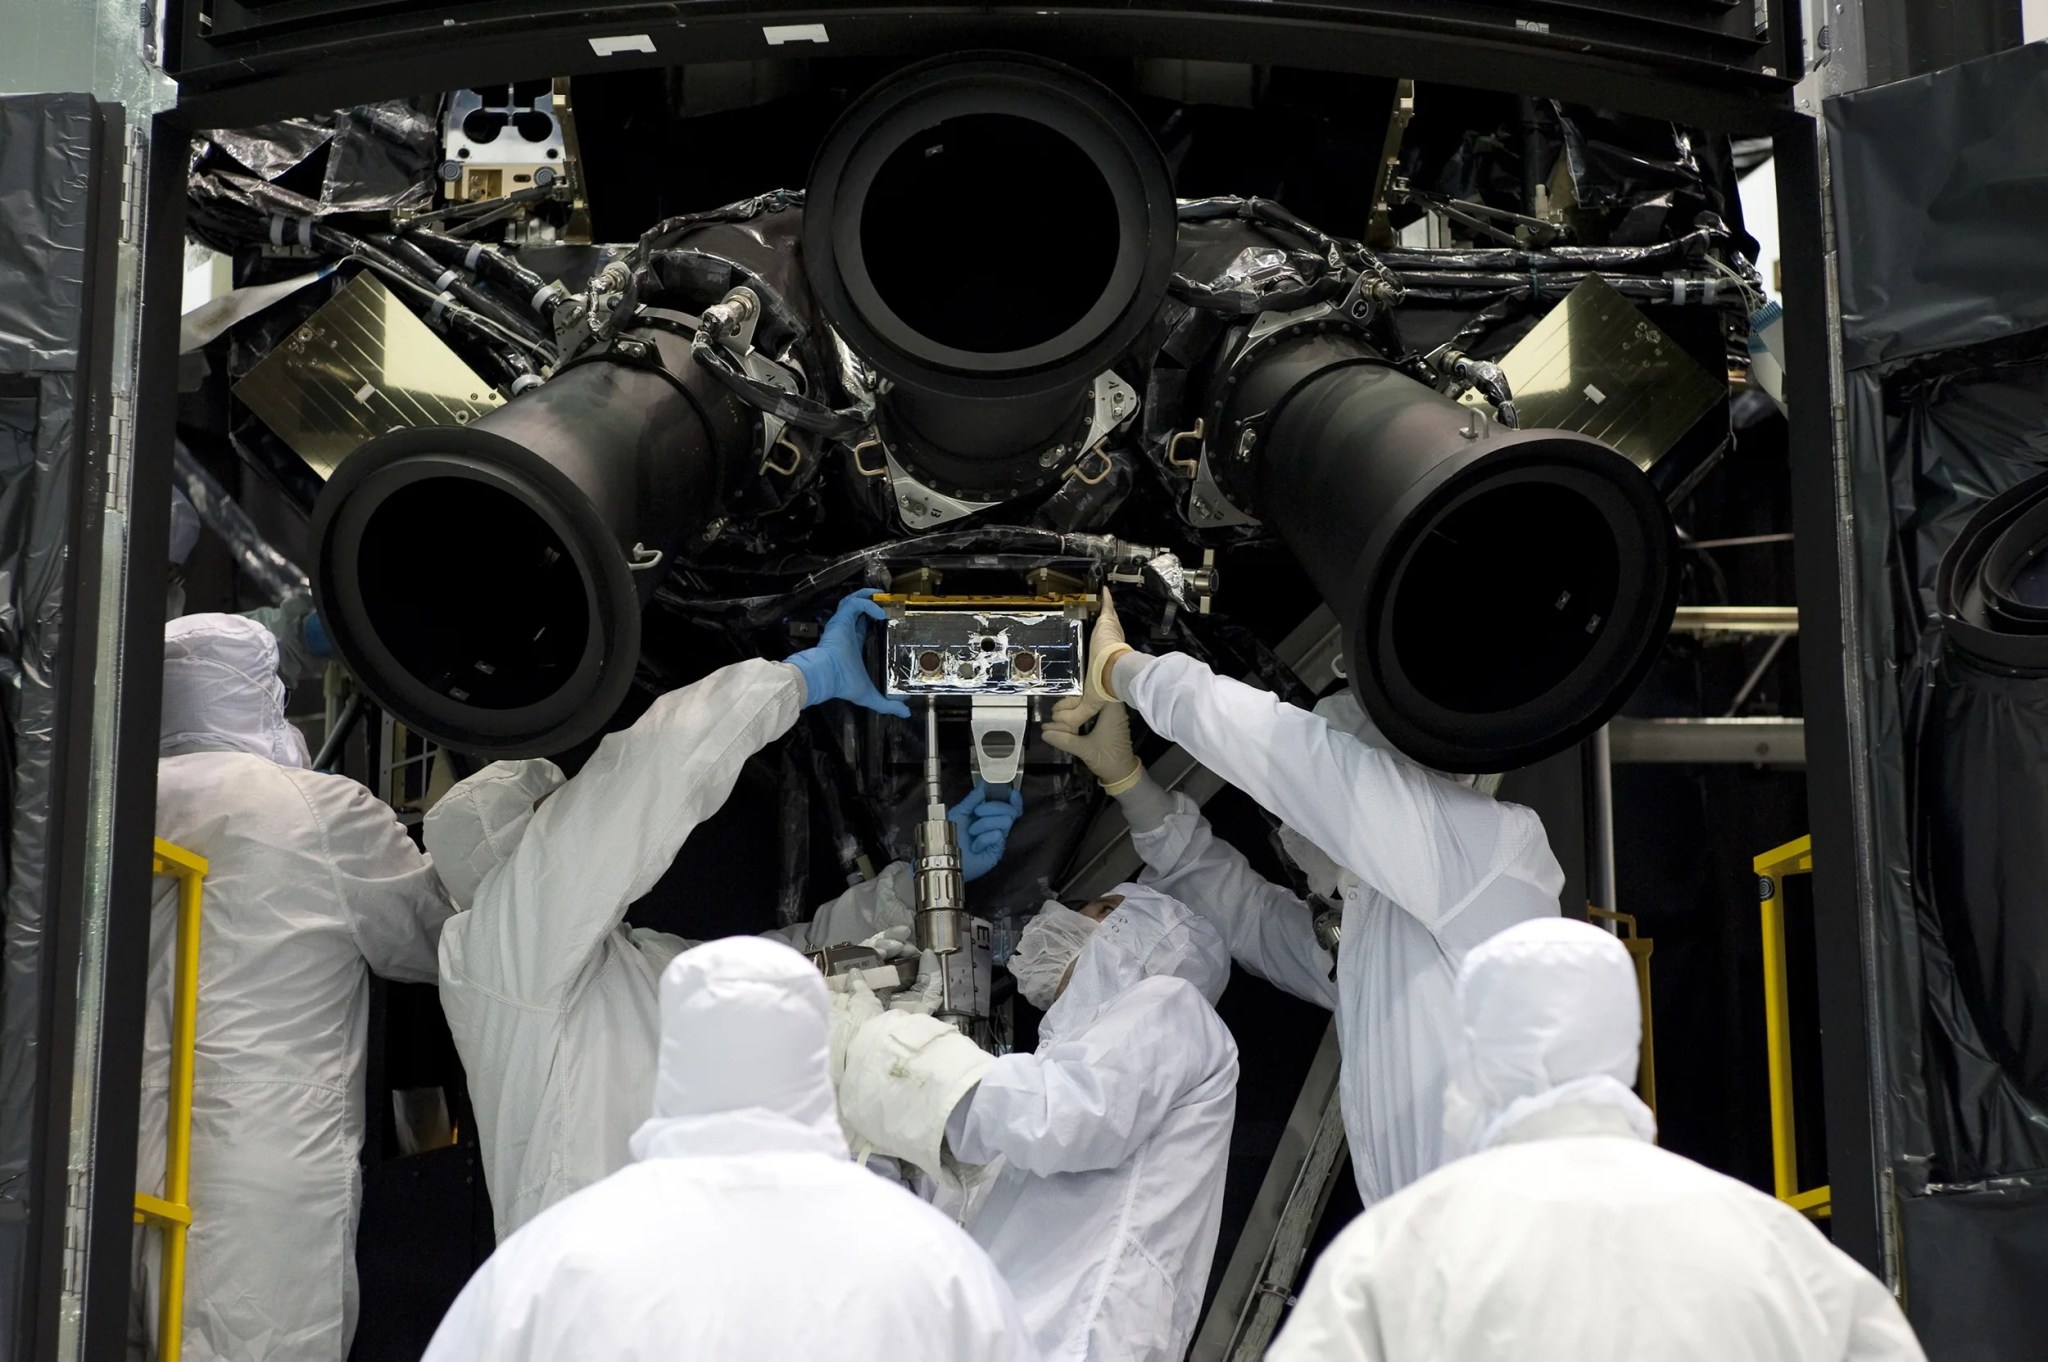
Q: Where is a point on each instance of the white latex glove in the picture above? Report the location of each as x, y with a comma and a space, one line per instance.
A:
852, 1008
1105, 645
892, 943
927, 993
1105, 749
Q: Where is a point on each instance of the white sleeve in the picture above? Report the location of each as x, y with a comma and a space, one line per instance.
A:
1423, 842
869, 907
1271, 932
1088, 1103
390, 896
603, 839
1337, 1317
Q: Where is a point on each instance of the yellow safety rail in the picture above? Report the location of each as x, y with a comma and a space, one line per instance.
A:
1639, 949
1794, 858
172, 1212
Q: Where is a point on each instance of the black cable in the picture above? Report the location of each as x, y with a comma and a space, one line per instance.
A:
449, 280
486, 262
835, 423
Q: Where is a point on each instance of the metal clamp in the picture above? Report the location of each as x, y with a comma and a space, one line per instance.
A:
1187, 466
860, 467
796, 457
1094, 452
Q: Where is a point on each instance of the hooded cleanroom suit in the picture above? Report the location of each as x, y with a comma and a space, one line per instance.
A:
742, 1231
1495, 1255
313, 884
1426, 867
551, 999
1110, 1140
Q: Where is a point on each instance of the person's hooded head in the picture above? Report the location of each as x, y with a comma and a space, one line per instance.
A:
1075, 971
222, 692
1343, 713
1548, 1017
743, 1066
475, 826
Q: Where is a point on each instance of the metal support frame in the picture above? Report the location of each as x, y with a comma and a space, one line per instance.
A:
1831, 641
1714, 75
1258, 1283
1794, 858
1707, 621
1709, 742
1601, 880
172, 1212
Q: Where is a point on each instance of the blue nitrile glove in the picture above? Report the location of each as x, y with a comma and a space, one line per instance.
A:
983, 822
835, 669
317, 641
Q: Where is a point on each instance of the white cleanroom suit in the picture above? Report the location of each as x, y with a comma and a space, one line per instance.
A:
1426, 866
742, 1231
550, 998
1571, 1236
313, 884
1110, 1141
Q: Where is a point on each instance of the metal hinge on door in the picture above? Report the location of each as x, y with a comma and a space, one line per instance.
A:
134, 186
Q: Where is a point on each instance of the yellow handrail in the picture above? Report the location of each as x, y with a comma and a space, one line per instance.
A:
172, 1212
1794, 858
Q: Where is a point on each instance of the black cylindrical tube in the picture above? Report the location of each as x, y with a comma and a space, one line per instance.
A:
1501, 591
484, 582
990, 233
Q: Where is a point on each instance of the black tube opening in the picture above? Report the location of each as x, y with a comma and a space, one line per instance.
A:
1505, 597
955, 245
473, 594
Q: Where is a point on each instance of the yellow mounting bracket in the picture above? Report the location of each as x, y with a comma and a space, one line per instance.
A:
1639, 949
1794, 858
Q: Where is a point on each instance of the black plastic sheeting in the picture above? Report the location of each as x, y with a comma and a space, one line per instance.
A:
369, 159
1940, 186
46, 173
1964, 154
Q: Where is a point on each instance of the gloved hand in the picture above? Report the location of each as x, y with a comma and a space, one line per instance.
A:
983, 822
835, 669
927, 993
1105, 749
853, 1007
1105, 645
892, 943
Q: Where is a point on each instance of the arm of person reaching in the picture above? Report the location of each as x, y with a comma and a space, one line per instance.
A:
603, 839
393, 902
1270, 931
1424, 842
1090, 1102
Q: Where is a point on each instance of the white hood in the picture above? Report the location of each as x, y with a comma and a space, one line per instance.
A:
1148, 934
222, 692
743, 1064
474, 827
1549, 1016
